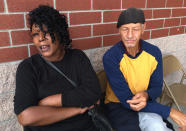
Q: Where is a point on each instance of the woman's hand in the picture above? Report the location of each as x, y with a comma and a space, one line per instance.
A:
83, 110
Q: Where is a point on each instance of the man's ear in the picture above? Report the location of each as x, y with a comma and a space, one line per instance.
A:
144, 27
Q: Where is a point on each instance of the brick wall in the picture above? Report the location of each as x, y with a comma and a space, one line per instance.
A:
92, 22
92, 26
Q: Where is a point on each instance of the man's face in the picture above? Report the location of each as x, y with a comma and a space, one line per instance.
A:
131, 34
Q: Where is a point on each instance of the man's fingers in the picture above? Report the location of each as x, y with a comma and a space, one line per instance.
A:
140, 95
137, 107
135, 97
136, 101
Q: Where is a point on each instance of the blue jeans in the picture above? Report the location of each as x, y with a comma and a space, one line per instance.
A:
151, 122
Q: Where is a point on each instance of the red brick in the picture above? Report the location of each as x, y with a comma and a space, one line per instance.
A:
162, 13
146, 35
172, 22
183, 21
1, 6
73, 4
26, 5
155, 3
176, 30
106, 4
85, 18
185, 3
27, 23
80, 31
174, 3
154, 24
178, 12
87, 43
11, 21
159, 33
111, 40
133, 3
21, 37
13, 54
111, 16
103, 29
4, 39
33, 50
148, 14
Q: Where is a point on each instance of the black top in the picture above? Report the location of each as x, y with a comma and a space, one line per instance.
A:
36, 80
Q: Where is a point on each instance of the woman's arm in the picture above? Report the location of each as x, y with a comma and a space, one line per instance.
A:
88, 90
26, 101
53, 100
47, 115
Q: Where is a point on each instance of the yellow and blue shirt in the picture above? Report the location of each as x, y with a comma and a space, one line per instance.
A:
128, 75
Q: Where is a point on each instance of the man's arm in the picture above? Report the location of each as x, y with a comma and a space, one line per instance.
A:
116, 78
44, 115
156, 79
179, 118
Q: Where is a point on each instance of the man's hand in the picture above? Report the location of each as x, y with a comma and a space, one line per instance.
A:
179, 118
139, 101
53, 100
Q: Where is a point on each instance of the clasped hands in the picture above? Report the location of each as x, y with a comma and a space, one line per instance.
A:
139, 101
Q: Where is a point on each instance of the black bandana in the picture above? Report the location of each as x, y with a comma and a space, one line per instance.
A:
131, 15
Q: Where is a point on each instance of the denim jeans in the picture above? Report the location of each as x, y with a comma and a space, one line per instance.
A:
152, 122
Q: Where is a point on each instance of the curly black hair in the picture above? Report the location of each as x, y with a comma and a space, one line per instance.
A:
54, 22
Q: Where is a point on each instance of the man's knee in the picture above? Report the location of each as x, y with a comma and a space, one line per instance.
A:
152, 122
156, 126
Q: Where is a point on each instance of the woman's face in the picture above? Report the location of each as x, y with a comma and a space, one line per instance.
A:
44, 45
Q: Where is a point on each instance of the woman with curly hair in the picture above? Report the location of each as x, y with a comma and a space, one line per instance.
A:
44, 99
